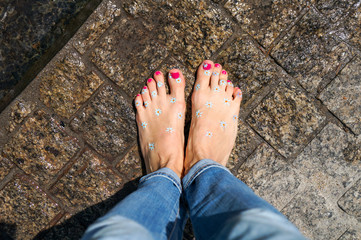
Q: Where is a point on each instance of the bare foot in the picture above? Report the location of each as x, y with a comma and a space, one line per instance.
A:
160, 120
215, 108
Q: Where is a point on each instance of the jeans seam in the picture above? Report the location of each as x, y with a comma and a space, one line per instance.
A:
164, 175
202, 169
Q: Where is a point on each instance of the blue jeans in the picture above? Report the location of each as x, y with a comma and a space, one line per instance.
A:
219, 205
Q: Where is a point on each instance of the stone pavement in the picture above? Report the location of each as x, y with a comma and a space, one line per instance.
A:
68, 143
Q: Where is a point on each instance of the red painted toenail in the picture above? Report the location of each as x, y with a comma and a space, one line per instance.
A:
228, 80
145, 87
149, 80
157, 73
138, 95
206, 66
175, 75
217, 65
224, 72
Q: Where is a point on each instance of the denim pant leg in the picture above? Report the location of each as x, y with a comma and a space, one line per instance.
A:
153, 211
223, 207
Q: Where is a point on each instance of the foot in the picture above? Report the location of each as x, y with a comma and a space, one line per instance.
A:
215, 109
160, 120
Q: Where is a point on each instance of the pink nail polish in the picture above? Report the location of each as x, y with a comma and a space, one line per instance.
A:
138, 95
149, 80
175, 75
145, 87
228, 80
224, 72
206, 66
217, 65
157, 73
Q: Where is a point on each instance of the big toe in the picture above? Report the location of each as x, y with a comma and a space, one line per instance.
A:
204, 74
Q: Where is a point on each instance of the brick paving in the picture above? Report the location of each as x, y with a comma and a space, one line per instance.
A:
68, 142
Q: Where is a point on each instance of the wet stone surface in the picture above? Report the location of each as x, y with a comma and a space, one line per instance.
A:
19, 111
88, 182
68, 85
131, 164
246, 142
269, 176
107, 123
128, 55
326, 163
352, 28
286, 118
315, 216
5, 167
25, 209
350, 202
190, 30
310, 54
265, 20
41, 147
343, 95
98, 22
334, 9
247, 66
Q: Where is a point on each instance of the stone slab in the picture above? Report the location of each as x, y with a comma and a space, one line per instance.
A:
5, 167
270, 176
131, 164
89, 181
19, 111
191, 30
96, 25
310, 54
326, 163
315, 216
352, 234
265, 20
350, 202
248, 67
334, 9
286, 118
25, 209
41, 147
107, 123
68, 85
343, 95
128, 54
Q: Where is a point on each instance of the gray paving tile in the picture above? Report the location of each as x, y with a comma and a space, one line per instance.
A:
350, 202
334, 9
5, 167
131, 164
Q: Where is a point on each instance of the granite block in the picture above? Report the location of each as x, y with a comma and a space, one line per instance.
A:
97, 23
41, 147
247, 66
351, 234
19, 111
350, 202
107, 123
246, 143
191, 30
26, 207
315, 216
68, 85
352, 28
89, 181
131, 164
310, 54
5, 167
325, 161
269, 176
128, 55
265, 20
343, 95
286, 118
334, 9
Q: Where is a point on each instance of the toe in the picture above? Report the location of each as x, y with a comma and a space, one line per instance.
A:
229, 88
176, 83
152, 88
146, 96
138, 102
204, 75
237, 94
223, 81
159, 78
215, 75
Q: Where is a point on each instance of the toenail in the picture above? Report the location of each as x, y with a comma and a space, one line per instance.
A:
175, 75
138, 95
157, 73
228, 80
223, 124
144, 91
224, 72
217, 65
149, 80
206, 66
